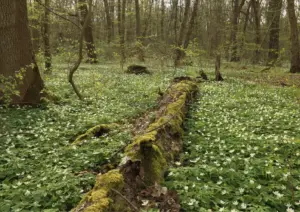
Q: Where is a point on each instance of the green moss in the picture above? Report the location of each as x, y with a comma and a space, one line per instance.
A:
94, 132
98, 199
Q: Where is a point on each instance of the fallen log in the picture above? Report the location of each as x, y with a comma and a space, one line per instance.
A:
146, 160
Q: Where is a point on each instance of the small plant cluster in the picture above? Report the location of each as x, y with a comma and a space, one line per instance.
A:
39, 168
241, 150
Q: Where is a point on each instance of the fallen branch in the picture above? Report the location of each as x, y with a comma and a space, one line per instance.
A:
124, 198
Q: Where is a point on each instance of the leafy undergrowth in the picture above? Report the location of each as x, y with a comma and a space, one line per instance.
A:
39, 171
242, 150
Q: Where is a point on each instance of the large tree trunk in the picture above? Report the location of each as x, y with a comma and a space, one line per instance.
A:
46, 38
108, 21
178, 51
274, 11
237, 6
295, 60
16, 54
88, 33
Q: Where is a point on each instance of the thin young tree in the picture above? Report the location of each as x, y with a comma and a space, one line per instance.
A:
108, 21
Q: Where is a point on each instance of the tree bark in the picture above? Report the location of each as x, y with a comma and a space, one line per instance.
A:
237, 6
178, 51
112, 15
191, 25
256, 10
137, 19
162, 21
88, 33
122, 38
295, 59
46, 39
218, 67
274, 11
108, 21
16, 54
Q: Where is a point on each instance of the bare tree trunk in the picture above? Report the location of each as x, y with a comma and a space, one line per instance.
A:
178, 51
139, 44
191, 25
119, 18
122, 38
80, 54
88, 33
237, 6
218, 67
162, 21
295, 60
108, 21
147, 22
274, 11
16, 55
112, 12
46, 39
175, 10
256, 10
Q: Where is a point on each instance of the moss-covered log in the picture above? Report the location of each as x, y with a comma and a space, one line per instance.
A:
147, 158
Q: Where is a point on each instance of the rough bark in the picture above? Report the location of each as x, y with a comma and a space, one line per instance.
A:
162, 21
88, 33
274, 13
16, 54
108, 21
46, 38
295, 52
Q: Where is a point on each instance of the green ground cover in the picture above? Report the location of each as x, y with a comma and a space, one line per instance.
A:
242, 150
39, 171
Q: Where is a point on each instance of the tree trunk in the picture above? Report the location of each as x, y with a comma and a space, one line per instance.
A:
108, 21
139, 44
119, 18
35, 30
16, 55
122, 38
237, 6
274, 11
162, 21
46, 38
112, 15
256, 10
295, 60
191, 25
218, 67
88, 33
178, 51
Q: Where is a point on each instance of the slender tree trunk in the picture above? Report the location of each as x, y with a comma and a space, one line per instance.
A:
274, 11
139, 44
179, 52
112, 12
119, 18
237, 6
162, 21
256, 10
108, 21
16, 55
88, 33
147, 21
122, 38
218, 67
46, 38
175, 9
191, 25
295, 60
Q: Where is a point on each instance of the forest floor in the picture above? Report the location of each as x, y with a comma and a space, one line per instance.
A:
241, 146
